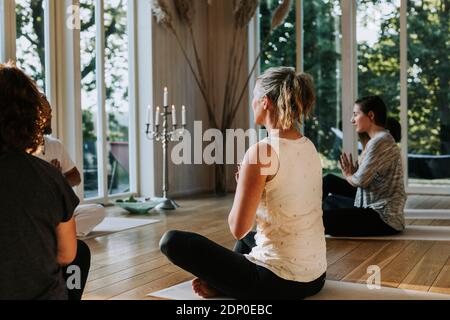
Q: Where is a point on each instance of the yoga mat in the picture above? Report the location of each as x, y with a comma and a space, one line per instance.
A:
425, 233
113, 225
432, 214
333, 290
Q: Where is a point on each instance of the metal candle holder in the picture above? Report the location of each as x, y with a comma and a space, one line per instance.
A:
165, 136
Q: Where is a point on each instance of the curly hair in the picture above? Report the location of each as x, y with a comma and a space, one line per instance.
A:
23, 113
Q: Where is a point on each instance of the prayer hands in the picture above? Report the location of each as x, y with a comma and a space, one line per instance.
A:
348, 167
57, 164
237, 173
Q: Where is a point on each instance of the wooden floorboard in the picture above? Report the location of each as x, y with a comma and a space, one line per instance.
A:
338, 270
396, 271
381, 259
426, 271
442, 283
129, 264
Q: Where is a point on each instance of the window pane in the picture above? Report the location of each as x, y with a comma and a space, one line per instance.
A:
322, 59
117, 102
89, 97
378, 36
30, 41
278, 48
429, 92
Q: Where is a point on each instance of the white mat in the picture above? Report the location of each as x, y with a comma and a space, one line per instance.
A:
333, 290
424, 233
113, 225
433, 214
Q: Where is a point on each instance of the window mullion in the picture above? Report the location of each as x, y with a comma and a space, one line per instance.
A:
254, 45
404, 84
349, 70
101, 98
50, 58
300, 39
8, 30
134, 106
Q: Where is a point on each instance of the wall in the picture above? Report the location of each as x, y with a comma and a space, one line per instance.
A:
213, 31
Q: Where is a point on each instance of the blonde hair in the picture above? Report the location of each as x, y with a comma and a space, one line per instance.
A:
292, 94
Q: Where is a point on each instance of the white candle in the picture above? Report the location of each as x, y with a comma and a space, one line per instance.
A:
166, 97
174, 116
158, 111
183, 116
150, 115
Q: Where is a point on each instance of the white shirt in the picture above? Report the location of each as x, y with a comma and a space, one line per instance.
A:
290, 239
53, 149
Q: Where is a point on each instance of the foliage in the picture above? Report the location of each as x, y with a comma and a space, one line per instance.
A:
378, 66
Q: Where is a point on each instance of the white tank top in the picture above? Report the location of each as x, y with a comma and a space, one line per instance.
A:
290, 239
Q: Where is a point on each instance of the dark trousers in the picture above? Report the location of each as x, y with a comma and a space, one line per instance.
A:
337, 186
342, 219
83, 262
229, 272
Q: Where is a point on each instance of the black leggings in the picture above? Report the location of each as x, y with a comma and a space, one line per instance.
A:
82, 261
337, 186
342, 219
229, 272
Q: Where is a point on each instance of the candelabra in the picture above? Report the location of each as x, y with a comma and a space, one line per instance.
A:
165, 136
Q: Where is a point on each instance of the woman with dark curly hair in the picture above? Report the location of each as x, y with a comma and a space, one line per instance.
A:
37, 229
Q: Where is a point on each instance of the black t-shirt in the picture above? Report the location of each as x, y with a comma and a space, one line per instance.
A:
35, 199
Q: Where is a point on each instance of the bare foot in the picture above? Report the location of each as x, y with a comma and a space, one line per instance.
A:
203, 289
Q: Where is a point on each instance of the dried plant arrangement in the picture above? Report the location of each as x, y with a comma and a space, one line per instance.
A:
243, 13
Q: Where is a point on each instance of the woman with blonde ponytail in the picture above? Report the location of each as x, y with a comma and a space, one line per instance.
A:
279, 188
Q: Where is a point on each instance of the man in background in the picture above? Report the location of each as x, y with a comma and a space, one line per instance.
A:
87, 217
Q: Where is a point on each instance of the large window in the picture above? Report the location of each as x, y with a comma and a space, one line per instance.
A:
429, 92
416, 91
89, 98
378, 41
105, 96
30, 42
117, 99
278, 47
322, 59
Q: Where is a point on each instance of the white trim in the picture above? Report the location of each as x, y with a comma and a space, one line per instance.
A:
144, 87
431, 190
102, 153
50, 58
110, 199
7, 30
300, 39
349, 74
133, 93
68, 88
404, 86
254, 47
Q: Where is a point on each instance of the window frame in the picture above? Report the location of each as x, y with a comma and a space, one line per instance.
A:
350, 80
102, 125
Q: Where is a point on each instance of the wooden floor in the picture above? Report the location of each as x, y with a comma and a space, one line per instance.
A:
128, 265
